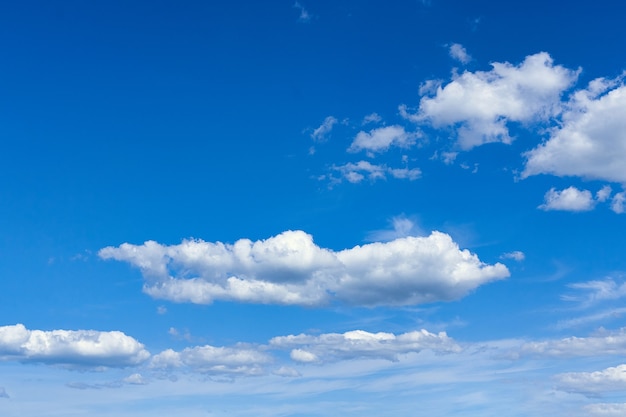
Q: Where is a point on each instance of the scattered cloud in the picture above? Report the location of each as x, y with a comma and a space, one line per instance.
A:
616, 313
593, 383
515, 255
291, 269
604, 193
355, 344
305, 16
595, 291
243, 361
569, 199
135, 379
401, 226
611, 343
618, 202
382, 138
591, 140
321, 133
372, 118
74, 348
459, 53
480, 104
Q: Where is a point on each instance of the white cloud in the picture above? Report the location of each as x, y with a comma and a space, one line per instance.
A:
618, 202
613, 343
596, 290
569, 199
286, 371
321, 133
591, 141
382, 138
87, 348
305, 16
214, 360
372, 118
401, 226
290, 269
458, 52
480, 104
135, 379
359, 171
593, 383
604, 193
606, 409
356, 344
515, 255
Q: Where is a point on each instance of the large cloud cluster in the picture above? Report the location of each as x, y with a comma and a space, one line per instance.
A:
290, 268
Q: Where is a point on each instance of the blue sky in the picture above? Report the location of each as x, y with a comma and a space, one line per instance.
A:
312, 208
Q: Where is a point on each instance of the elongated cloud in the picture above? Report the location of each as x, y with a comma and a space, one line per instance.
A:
591, 142
383, 138
613, 343
593, 383
88, 348
291, 269
362, 344
214, 360
480, 104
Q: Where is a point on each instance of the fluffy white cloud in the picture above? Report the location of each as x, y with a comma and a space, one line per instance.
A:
618, 202
290, 269
604, 193
88, 348
613, 343
321, 133
357, 172
607, 380
214, 360
481, 103
591, 141
382, 138
458, 52
361, 344
569, 199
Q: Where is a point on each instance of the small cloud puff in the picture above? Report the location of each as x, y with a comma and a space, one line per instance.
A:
459, 53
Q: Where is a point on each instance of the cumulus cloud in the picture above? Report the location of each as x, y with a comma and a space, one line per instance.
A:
458, 52
593, 383
569, 199
291, 269
591, 141
382, 138
359, 171
613, 343
361, 344
213, 360
88, 348
321, 133
480, 104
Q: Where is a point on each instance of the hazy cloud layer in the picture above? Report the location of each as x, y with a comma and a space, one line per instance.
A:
611, 343
361, 344
291, 269
480, 104
87, 348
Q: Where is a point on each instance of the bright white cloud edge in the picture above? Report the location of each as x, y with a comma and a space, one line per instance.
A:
290, 268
